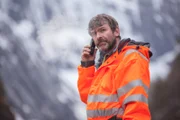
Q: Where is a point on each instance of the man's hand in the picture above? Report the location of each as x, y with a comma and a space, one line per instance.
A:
85, 56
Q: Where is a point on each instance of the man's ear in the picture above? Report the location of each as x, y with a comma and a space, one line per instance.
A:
117, 32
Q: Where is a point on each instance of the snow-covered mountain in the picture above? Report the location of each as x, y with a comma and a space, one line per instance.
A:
41, 41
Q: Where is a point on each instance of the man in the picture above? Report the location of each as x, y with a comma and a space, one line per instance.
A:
118, 88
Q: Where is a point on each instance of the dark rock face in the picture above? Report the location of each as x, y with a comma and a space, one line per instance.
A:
5, 111
165, 97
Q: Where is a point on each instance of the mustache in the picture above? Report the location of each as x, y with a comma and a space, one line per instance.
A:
101, 40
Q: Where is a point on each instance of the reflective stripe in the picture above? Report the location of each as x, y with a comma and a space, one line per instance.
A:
104, 113
116, 111
103, 98
133, 50
121, 111
121, 91
133, 98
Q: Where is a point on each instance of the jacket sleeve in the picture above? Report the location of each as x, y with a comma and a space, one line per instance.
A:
133, 82
85, 79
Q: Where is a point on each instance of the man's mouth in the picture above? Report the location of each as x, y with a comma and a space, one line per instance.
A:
101, 43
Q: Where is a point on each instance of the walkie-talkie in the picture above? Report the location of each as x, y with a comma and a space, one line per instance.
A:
92, 47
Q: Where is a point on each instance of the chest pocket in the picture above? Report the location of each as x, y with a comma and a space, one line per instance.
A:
107, 80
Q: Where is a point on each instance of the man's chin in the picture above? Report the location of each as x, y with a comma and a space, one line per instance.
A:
103, 49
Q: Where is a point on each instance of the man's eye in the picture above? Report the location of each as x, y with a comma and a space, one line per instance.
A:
102, 30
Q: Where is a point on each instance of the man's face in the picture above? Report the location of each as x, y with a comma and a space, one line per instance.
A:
104, 37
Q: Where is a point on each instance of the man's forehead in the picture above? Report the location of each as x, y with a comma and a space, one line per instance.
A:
99, 27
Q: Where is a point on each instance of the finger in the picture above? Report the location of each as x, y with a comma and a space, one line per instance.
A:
85, 53
86, 49
87, 46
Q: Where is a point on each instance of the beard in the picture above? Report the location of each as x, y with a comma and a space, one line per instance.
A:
108, 45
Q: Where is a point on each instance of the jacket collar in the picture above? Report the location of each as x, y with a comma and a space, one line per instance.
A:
119, 47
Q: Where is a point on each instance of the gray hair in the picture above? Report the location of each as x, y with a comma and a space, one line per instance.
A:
102, 19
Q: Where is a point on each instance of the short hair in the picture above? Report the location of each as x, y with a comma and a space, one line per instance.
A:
102, 19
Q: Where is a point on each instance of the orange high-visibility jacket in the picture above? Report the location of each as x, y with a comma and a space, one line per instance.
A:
118, 87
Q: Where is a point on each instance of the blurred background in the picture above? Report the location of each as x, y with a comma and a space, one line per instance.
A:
40, 48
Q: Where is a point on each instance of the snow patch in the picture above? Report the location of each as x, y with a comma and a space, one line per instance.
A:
4, 43
24, 29
18, 116
70, 77
62, 43
26, 108
157, 4
160, 68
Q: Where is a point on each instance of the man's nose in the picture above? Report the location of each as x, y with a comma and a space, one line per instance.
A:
98, 35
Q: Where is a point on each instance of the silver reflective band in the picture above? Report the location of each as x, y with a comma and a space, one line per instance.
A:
121, 111
135, 98
103, 98
133, 50
104, 113
135, 83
